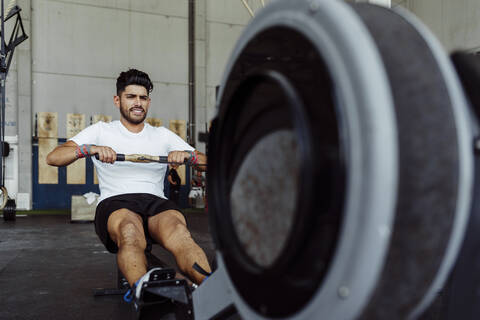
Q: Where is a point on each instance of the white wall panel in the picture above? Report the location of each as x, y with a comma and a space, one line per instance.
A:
25, 6
80, 40
431, 13
221, 41
455, 23
462, 21
200, 53
11, 104
85, 40
211, 113
116, 4
159, 46
71, 94
200, 95
229, 11
232, 11
165, 7
211, 98
169, 102
211, 110
80, 47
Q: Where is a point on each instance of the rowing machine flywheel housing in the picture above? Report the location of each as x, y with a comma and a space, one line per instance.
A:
339, 164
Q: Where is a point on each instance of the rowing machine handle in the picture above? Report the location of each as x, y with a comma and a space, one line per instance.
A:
164, 159
121, 157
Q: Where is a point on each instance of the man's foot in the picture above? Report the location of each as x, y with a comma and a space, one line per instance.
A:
151, 275
135, 291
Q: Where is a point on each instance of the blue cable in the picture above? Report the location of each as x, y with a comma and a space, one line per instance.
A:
128, 297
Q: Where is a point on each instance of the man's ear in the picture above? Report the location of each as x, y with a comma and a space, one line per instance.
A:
116, 101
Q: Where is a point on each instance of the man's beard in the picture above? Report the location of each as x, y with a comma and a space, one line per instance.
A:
126, 115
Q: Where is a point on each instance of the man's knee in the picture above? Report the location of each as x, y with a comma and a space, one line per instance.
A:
126, 229
131, 235
177, 238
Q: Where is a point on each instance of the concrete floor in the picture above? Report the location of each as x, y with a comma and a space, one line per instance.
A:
49, 268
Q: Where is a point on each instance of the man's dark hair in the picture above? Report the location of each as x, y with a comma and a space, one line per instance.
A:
133, 76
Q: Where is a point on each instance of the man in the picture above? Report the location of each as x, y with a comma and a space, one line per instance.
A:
132, 207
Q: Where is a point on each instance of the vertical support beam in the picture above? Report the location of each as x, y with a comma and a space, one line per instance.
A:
25, 121
191, 73
3, 79
200, 69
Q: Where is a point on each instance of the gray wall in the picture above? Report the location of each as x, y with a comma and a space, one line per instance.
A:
78, 47
455, 22
224, 23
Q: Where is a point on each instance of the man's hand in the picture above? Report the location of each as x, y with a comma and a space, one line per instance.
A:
178, 157
105, 154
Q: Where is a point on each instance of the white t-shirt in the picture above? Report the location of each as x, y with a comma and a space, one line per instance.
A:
131, 177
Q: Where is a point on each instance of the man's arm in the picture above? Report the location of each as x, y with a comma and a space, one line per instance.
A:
180, 156
66, 154
63, 155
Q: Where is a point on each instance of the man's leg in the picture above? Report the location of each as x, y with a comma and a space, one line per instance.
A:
169, 228
126, 230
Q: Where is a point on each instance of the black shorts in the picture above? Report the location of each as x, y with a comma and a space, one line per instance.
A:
144, 204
